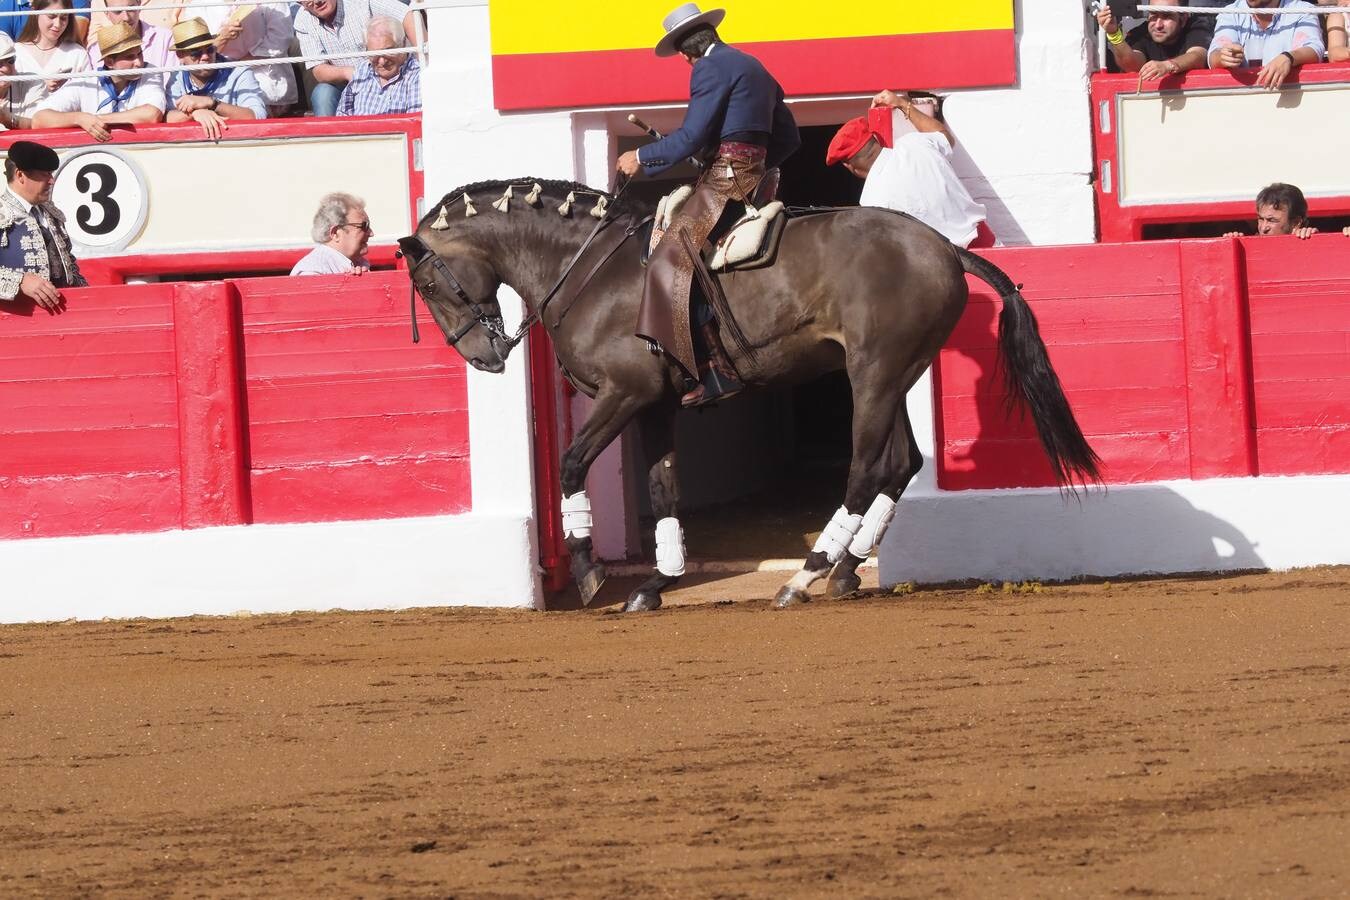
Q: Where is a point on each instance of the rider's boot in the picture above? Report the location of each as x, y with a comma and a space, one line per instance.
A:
718, 379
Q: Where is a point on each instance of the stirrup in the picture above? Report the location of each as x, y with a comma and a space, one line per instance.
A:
712, 388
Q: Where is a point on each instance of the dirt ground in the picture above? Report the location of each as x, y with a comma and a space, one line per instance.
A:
1177, 738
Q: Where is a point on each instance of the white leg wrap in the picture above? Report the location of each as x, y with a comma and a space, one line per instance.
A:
670, 547
874, 524
834, 540
576, 515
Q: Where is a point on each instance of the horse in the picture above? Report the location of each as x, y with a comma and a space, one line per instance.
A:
864, 289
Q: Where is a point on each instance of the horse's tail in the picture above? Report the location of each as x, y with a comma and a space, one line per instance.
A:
1029, 378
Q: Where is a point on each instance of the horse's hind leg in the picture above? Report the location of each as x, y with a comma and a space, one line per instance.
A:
880, 452
657, 425
844, 579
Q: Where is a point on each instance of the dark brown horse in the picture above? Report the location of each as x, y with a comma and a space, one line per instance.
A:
867, 290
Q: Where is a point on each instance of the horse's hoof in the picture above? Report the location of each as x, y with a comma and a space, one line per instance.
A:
790, 596
843, 585
641, 602
590, 583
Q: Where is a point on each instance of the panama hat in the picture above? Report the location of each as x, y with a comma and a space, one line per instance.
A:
190, 34
6, 47
684, 20
119, 37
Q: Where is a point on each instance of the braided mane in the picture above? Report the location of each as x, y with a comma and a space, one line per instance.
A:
554, 191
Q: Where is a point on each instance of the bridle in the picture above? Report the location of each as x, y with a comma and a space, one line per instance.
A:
491, 322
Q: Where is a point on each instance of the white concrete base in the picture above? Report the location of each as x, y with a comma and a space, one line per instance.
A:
464, 560
1171, 527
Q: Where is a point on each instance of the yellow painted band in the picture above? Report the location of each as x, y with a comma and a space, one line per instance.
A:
546, 26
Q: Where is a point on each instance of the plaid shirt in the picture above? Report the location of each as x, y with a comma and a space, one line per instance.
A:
364, 95
346, 32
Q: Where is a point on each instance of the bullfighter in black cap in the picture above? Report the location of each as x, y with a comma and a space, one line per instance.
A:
35, 257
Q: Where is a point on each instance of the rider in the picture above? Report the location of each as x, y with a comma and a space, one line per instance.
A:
736, 117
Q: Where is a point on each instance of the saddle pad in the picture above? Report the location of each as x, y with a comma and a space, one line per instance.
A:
750, 241
666, 208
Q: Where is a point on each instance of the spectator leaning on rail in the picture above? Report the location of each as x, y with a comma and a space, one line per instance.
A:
914, 176
383, 84
342, 231
209, 96
1282, 209
156, 40
339, 26
113, 99
259, 32
47, 46
1277, 43
35, 257
1167, 43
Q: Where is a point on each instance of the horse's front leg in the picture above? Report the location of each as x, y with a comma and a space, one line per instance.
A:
608, 418
658, 447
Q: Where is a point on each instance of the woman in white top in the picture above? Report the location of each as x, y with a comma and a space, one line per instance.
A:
47, 46
264, 32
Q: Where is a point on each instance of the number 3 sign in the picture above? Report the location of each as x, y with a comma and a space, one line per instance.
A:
103, 196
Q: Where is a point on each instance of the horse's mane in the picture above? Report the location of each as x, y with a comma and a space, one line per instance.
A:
554, 192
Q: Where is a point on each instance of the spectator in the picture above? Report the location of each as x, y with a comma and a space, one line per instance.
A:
35, 257
94, 104
339, 26
914, 176
8, 119
1166, 44
1338, 26
13, 25
383, 84
1278, 44
265, 32
46, 46
342, 231
1281, 209
209, 96
155, 39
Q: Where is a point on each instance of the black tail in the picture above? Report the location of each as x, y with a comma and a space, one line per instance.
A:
1029, 378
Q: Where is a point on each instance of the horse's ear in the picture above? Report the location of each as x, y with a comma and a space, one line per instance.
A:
412, 249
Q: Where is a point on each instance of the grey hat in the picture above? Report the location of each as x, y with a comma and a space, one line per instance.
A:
684, 20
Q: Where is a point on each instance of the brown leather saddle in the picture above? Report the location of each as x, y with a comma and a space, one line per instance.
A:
749, 242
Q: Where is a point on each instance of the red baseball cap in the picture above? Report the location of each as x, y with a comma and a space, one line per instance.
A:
846, 143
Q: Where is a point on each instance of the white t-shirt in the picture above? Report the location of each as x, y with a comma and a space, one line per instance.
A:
323, 260
916, 176
67, 57
88, 95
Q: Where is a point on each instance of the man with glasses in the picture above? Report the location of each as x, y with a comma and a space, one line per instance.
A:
35, 257
112, 99
209, 96
1165, 44
339, 26
342, 231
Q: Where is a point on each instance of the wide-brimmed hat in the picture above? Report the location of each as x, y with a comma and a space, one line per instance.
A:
119, 37
6, 46
684, 20
190, 34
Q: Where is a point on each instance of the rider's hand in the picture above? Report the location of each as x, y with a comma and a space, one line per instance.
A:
628, 163
42, 291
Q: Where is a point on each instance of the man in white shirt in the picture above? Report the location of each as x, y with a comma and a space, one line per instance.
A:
912, 173
112, 99
342, 231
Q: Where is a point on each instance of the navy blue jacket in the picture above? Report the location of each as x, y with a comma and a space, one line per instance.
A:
729, 92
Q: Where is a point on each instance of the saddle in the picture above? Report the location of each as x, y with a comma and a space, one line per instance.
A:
750, 243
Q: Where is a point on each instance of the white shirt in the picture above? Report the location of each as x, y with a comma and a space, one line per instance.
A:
916, 177
67, 57
87, 95
265, 33
322, 260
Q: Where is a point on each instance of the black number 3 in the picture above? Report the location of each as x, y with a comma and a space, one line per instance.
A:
107, 183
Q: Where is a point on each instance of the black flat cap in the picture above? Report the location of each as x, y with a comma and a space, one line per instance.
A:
33, 157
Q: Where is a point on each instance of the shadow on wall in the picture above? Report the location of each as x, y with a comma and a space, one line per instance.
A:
1145, 529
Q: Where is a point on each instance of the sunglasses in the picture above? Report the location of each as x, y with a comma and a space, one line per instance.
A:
197, 52
364, 226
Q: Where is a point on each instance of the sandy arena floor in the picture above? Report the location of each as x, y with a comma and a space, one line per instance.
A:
1179, 738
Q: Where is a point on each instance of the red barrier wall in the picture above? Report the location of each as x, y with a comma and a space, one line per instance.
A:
1169, 372
153, 407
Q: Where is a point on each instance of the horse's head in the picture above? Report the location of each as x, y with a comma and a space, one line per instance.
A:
460, 288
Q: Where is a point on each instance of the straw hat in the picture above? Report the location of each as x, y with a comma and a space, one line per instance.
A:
119, 37
6, 47
190, 34
682, 21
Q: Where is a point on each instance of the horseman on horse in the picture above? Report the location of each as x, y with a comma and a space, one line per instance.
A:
739, 126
